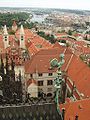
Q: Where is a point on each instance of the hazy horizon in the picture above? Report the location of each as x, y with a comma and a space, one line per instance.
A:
58, 4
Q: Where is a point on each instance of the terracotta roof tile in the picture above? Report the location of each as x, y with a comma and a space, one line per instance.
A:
80, 108
79, 72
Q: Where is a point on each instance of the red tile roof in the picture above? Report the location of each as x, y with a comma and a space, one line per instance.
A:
79, 72
32, 48
61, 34
34, 38
41, 61
77, 34
57, 45
80, 108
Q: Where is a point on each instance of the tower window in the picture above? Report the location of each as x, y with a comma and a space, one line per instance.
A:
22, 38
5, 38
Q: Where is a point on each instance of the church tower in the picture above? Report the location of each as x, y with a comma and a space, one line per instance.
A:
22, 37
5, 37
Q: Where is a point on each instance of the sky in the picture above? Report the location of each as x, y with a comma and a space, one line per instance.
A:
66, 4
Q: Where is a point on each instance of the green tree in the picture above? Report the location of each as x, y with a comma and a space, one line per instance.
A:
69, 32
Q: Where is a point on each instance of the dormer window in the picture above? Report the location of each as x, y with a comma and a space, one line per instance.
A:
50, 74
39, 74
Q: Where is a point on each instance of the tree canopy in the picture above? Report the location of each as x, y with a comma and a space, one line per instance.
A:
7, 18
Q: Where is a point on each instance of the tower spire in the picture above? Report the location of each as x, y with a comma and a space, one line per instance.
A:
5, 30
22, 30
22, 37
5, 37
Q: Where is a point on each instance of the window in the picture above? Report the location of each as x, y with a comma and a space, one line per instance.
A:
39, 74
22, 38
49, 89
50, 74
49, 95
5, 38
31, 75
40, 83
49, 82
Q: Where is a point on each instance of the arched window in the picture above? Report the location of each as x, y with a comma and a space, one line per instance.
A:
49, 95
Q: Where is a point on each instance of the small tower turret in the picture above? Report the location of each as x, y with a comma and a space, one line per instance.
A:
22, 37
14, 26
5, 37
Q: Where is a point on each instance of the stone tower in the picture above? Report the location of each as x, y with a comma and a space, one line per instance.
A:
5, 37
22, 37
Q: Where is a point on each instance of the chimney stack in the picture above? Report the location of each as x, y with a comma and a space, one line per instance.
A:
76, 117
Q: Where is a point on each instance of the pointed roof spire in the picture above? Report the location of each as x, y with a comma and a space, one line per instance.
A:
22, 30
14, 23
5, 30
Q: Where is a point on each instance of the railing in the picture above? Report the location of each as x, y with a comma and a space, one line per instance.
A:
30, 112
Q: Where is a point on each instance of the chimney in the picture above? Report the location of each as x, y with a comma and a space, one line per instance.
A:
76, 117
